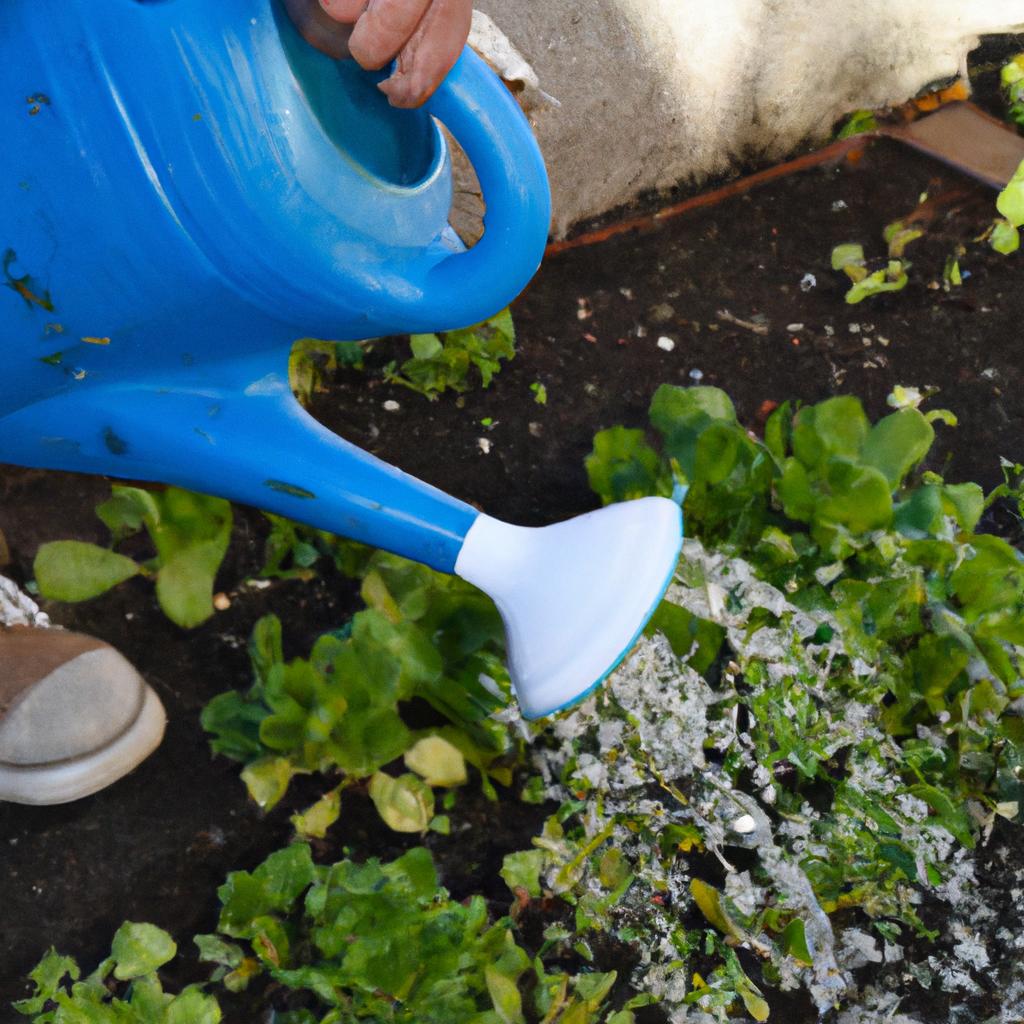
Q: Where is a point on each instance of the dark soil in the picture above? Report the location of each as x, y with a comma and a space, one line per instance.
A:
155, 846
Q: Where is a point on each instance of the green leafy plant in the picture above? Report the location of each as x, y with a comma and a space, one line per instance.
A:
443, 362
422, 635
837, 600
892, 277
1005, 232
1012, 79
857, 123
312, 361
384, 942
190, 533
124, 989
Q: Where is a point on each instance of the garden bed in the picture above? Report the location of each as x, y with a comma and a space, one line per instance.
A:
741, 296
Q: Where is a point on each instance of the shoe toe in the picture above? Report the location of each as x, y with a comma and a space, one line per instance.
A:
77, 717
80, 707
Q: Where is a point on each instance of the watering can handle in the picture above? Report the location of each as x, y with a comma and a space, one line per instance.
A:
481, 113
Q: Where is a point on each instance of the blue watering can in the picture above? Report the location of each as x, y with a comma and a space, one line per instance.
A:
187, 188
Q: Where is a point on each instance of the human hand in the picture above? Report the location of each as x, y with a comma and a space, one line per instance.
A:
426, 36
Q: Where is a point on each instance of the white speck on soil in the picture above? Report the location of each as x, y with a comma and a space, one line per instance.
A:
807, 282
666, 344
391, 405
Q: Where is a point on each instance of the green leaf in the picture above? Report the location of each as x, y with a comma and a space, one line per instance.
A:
140, 949
368, 740
271, 888
613, 868
425, 346
690, 637
837, 426
1005, 237
858, 122
1010, 202
213, 949
673, 407
709, 902
47, 976
898, 856
794, 489
234, 724
951, 816
315, 820
127, 510
594, 987
991, 580
184, 584
437, 762
898, 236
718, 451
755, 1003
921, 514
892, 279
522, 871
193, 1006
778, 431
623, 466
966, 502
505, 997
794, 942
897, 443
71, 570
406, 804
848, 254
858, 497
267, 780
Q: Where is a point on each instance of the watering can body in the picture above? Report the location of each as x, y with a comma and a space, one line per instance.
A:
187, 189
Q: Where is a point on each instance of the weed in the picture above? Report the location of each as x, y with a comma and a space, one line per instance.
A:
189, 531
443, 362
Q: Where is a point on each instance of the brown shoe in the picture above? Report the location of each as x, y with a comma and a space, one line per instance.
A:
75, 716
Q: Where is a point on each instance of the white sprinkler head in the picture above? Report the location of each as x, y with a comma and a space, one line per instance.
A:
575, 596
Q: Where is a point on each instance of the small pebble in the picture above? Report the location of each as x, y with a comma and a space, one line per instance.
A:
536, 430
855, 328
839, 204
666, 344
484, 445
696, 375
221, 602
641, 331
626, 293
807, 282
391, 405
794, 327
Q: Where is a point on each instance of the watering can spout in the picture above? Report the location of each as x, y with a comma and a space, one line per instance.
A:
574, 596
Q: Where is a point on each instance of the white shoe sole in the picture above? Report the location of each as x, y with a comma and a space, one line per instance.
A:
64, 781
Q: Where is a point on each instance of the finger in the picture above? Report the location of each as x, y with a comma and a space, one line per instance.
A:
319, 29
430, 53
344, 10
384, 29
